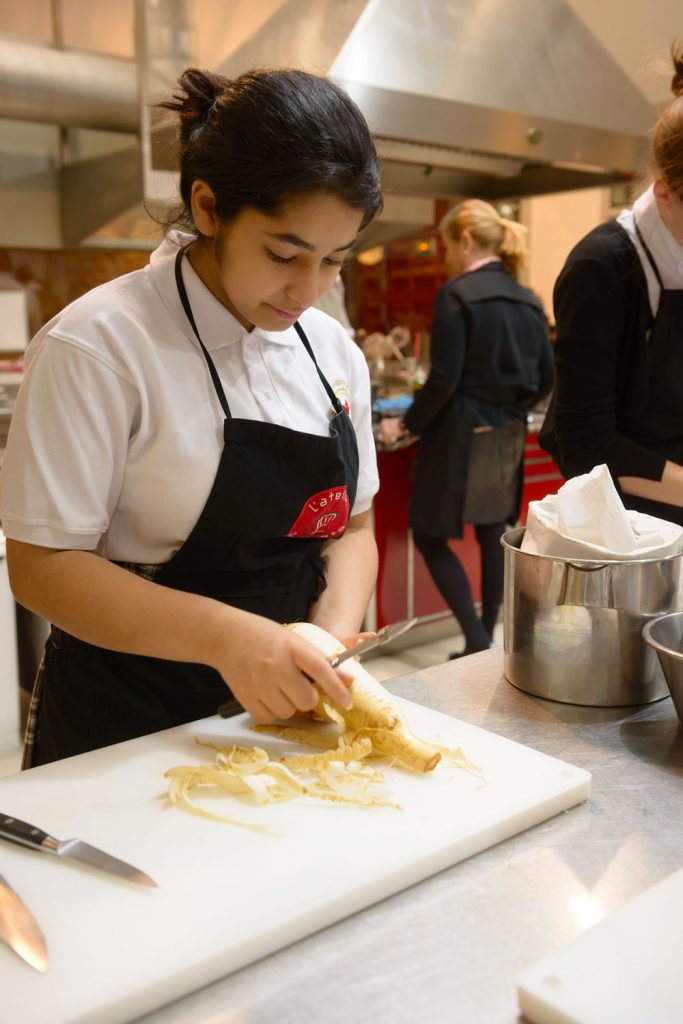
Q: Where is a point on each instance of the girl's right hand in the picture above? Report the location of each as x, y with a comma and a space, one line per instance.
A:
264, 663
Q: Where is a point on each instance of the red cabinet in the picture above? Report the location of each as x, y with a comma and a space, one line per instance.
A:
541, 475
404, 586
391, 533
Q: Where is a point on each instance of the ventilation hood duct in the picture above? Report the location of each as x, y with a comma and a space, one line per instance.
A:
469, 97
52, 86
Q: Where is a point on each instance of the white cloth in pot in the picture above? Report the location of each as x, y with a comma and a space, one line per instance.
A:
587, 519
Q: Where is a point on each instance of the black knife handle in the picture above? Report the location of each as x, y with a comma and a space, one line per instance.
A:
232, 707
21, 832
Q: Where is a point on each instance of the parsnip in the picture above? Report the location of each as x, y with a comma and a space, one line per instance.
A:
374, 714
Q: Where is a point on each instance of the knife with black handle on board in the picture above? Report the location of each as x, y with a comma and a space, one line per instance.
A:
70, 849
19, 928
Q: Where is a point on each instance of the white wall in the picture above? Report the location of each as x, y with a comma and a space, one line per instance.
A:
638, 35
104, 26
556, 223
29, 197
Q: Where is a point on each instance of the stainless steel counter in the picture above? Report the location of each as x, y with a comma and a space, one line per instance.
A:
449, 949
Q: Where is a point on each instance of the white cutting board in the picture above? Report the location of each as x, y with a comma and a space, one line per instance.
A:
228, 896
624, 970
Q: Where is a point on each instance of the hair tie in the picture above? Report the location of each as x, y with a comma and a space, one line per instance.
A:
209, 111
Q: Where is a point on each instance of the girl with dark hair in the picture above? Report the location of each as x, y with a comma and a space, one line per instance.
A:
190, 461
619, 352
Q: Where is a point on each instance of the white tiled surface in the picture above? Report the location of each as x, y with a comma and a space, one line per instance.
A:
412, 659
400, 663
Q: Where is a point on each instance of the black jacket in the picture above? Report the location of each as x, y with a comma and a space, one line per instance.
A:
602, 362
491, 362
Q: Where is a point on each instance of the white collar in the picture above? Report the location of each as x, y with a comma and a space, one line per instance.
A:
216, 324
666, 251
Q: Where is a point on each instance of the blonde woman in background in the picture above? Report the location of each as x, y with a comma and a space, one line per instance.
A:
491, 363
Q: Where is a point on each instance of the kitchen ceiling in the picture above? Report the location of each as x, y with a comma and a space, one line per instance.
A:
464, 97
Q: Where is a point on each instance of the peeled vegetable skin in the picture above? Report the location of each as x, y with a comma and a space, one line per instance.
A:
374, 713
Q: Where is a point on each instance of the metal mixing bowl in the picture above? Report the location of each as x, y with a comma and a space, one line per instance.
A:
665, 635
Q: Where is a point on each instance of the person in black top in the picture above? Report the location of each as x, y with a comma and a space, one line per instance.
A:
491, 362
619, 353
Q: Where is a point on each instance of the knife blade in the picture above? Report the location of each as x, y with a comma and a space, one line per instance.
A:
383, 636
19, 928
70, 849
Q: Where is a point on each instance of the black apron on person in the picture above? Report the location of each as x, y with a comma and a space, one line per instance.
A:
494, 471
278, 494
661, 427
463, 476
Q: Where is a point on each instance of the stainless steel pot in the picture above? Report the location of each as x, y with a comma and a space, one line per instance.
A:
572, 628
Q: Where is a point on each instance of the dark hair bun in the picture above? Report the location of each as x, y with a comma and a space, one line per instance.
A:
194, 99
269, 134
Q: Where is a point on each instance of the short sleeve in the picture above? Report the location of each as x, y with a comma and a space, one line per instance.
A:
66, 451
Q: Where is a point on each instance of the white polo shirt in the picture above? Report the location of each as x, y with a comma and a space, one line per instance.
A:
117, 431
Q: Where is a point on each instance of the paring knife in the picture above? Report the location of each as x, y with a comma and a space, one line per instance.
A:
70, 849
19, 928
383, 636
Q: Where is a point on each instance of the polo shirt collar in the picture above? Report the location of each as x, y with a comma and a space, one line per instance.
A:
666, 251
217, 326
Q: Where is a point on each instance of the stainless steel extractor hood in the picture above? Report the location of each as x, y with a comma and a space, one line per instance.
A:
483, 98
469, 97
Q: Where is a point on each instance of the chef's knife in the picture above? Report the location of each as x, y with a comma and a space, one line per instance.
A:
383, 636
19, 928
70, 849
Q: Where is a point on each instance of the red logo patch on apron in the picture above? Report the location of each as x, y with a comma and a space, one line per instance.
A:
325, 514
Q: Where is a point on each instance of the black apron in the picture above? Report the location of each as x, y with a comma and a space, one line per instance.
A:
494, 471
662, 421
277, 496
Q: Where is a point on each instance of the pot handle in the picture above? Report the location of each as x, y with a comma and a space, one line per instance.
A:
581, 586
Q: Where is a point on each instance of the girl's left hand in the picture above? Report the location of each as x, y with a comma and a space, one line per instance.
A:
355, 638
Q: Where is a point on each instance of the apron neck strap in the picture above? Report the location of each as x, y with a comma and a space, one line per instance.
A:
648, 254
307, 345
182, 292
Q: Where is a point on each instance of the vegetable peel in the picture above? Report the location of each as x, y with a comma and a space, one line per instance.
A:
337, 771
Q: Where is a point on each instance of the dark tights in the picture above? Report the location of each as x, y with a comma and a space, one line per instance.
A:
447, 572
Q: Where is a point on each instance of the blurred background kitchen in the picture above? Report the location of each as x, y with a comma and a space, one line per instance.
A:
541, 107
